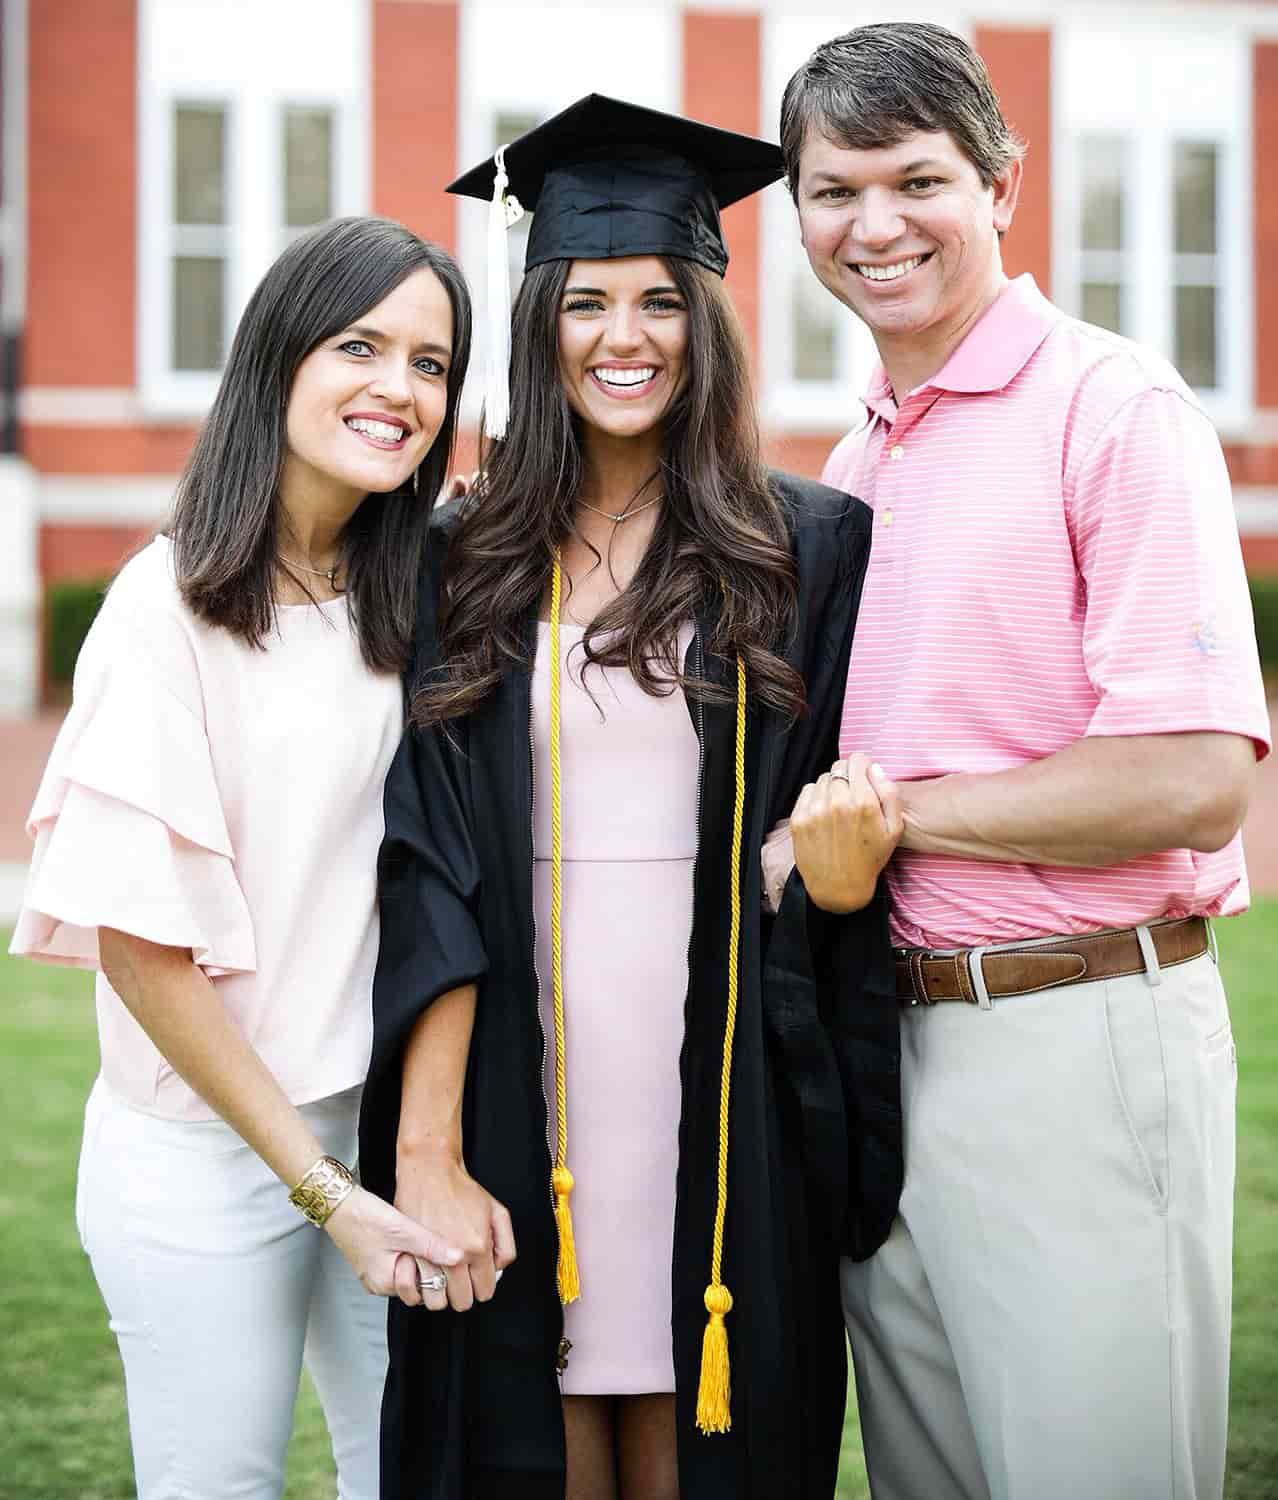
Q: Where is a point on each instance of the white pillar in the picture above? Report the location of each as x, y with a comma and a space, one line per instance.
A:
19, 587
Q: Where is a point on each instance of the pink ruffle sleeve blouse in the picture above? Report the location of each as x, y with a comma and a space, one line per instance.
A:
212, 796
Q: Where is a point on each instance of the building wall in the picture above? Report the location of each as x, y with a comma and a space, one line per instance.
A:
419, 85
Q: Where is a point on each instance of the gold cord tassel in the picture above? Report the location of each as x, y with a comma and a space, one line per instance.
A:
567, 1275
561, 1179
714, 1392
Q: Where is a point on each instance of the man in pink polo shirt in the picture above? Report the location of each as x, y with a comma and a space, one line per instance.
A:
1055, 679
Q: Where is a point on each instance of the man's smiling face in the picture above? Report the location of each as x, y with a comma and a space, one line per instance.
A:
904, 235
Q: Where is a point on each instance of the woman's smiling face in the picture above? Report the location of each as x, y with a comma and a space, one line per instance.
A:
623, 339
367, 403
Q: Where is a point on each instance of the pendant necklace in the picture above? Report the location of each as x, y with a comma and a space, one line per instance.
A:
631, 508
329, 573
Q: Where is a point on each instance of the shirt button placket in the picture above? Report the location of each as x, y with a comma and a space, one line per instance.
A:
894, 452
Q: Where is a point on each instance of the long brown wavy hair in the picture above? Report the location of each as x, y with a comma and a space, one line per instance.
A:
721, 530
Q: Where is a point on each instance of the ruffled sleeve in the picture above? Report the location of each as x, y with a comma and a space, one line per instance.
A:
128, 824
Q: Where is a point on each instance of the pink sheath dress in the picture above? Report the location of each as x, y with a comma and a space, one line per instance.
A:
629, 767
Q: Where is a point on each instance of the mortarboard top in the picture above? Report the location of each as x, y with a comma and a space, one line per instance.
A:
608, 179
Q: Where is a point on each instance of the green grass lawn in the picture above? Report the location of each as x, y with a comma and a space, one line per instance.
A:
63, 1436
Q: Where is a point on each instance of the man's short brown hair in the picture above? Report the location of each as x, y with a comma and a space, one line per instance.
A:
877, 84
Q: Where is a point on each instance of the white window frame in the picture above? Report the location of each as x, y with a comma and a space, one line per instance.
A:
244, 82
1149, 256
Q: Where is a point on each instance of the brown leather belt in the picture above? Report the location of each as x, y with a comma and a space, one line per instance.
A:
927, 977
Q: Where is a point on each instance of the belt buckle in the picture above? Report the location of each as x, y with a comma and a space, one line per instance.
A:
972, 958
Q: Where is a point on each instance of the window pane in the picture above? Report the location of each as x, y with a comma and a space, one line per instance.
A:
1103, 305
1196, 199
1101, 164
198, 283
510, 124
308, 166
1196, 335
814, 338
199, 164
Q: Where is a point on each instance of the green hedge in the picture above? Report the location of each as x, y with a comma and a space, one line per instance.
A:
71, 607
1264, 603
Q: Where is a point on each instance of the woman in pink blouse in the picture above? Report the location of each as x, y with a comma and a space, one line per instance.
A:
206, 836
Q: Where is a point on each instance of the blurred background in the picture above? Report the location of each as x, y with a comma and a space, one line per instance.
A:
157, 154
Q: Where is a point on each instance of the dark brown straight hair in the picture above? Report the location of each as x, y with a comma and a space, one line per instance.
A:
225, 518
875, 85
721, 531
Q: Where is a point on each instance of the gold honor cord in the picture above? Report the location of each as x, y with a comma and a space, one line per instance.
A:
561, 1179
714, 1393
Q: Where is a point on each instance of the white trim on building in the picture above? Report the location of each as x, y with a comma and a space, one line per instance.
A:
19, 586
105, 499
80, 406
1257, 509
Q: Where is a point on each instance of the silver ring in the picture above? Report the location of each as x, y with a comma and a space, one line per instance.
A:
840, 776
435, 1283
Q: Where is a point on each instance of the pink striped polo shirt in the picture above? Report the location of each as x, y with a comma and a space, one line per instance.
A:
1055, 555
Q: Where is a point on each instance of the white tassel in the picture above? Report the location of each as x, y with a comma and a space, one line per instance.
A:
503, 211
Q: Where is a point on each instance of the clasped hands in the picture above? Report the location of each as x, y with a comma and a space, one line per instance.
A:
433, 1185
841, 833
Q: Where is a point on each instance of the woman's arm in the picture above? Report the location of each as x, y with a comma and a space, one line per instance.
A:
429, 1166
174, 1002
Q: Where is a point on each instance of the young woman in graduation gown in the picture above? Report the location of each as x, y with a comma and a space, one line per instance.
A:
632, 648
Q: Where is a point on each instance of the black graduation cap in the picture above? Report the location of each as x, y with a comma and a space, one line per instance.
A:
606, 179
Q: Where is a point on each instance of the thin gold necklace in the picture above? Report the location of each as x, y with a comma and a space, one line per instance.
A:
631, 508
329, 573
625, 514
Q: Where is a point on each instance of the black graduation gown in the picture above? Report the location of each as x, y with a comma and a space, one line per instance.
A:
472, 1405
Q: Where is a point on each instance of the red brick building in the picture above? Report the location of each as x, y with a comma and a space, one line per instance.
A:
158, 153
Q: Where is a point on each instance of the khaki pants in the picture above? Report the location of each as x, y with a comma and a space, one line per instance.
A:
1049, 1319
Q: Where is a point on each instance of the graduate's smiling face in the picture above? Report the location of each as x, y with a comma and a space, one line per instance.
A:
366, 404
623, 341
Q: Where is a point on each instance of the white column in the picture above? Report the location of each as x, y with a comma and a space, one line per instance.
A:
19, 587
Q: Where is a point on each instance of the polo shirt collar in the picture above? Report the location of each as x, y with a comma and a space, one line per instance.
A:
994, 352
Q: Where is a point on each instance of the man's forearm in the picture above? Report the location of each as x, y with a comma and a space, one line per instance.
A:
1098, 802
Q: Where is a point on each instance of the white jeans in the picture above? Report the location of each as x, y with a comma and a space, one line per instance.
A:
1049, 1319
217, 1288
